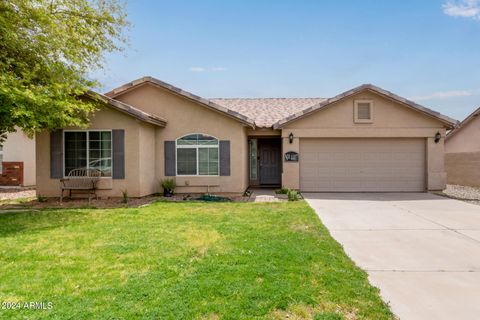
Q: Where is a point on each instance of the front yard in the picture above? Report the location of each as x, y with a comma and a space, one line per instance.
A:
180, 261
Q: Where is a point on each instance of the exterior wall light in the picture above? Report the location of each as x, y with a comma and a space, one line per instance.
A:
438, 136
290, 137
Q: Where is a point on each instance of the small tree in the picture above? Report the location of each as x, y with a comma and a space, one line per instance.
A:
47, 50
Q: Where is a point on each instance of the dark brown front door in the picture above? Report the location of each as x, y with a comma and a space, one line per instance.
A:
270, 155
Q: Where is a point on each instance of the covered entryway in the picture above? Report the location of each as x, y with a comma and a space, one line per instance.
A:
270, 161
362, 164
265, 159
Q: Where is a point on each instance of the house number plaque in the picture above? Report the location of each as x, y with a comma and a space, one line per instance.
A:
291, 156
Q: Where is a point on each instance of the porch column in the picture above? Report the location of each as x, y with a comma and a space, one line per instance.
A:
436, 175
291, 170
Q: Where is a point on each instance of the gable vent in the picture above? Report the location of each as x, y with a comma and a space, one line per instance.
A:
363, 111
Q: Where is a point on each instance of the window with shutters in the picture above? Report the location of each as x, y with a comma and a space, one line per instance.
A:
363, 111
197, 155
88, 149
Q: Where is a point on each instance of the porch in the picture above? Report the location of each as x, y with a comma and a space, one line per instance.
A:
265, 161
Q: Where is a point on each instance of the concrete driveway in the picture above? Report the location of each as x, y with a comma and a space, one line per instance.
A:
421, 250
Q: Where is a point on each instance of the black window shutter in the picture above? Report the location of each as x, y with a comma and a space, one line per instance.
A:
170, 165
56, 154
118, 149
225, 158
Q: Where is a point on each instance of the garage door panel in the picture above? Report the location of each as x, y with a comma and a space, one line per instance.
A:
351, 165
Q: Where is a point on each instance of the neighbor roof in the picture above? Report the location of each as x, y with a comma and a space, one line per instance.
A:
449, 122
267, 111
462, 124
128, 109
202, 101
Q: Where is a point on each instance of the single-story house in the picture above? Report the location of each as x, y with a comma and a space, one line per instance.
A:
462, 152
17, 160
365, 139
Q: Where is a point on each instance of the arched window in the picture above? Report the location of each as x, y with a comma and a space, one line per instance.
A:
197, 154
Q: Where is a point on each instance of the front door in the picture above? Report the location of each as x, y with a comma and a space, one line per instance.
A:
270, 156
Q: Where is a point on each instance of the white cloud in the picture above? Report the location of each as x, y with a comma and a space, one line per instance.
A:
197, 69
203, 69
444, 95
462, 8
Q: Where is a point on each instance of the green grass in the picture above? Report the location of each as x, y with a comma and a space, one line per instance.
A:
181, 261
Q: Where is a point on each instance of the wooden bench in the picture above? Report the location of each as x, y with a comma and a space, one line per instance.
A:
83, 180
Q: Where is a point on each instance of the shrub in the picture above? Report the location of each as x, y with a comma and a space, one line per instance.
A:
293, 195
41, 198
168, 186
125, 196
282, 190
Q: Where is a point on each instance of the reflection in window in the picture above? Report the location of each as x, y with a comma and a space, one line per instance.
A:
197, 154
88, 149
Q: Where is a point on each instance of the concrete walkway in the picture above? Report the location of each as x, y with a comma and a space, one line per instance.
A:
264, 195
421, 250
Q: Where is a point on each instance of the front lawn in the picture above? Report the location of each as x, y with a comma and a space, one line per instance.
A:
180, 261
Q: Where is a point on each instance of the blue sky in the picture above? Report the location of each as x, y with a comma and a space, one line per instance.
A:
425, 50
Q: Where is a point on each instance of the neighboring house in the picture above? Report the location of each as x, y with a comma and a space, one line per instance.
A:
17, 160
462, 152
366, 139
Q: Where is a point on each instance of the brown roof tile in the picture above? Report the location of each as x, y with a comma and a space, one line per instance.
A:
267, 111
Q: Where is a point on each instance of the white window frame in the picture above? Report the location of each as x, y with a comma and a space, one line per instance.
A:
177, 146
356, 119
88, 147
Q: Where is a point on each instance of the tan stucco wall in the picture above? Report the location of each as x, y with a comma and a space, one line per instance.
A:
465, 140
144, 158
134, 168
390, 120
184, 117
20, 148
263, 132
149, 182
463, 168
462, 155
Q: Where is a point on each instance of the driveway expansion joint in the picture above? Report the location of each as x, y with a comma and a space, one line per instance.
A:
439, 224
423, 261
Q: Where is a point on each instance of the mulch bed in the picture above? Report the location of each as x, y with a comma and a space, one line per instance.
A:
54, 203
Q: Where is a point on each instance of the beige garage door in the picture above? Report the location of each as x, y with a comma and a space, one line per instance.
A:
362, 165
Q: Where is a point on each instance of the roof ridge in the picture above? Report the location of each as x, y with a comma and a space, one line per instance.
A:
368, 86
250, 98
186, 94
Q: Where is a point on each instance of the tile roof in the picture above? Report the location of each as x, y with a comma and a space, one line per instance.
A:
128, 109
462, 124
202, 101
449, 122
267, 111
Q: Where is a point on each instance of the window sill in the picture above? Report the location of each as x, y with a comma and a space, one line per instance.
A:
363, 121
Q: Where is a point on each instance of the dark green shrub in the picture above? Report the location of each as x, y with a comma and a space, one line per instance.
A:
168, 186
293, 195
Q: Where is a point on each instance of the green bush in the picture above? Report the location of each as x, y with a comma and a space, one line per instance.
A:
282, 190
125, 196
41, 198
293, 195
168, 186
